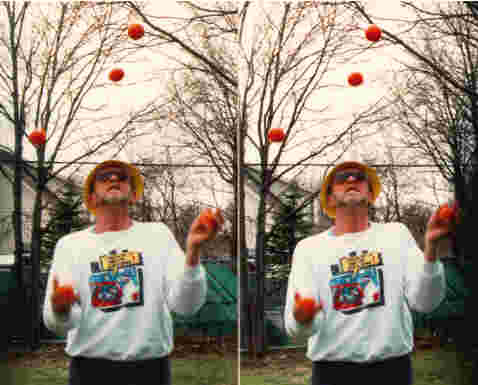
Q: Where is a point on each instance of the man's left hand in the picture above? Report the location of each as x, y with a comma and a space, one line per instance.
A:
204, 228
437, 229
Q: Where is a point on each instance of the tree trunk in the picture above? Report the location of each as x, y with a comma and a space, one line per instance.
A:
242, 254
234, 244
18, 207
471, 256
18, 225
259, 324
35, 256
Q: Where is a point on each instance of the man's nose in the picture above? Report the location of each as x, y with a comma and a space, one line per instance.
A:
113, 177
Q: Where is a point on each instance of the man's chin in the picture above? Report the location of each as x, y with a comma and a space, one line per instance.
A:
119, 201
353, 202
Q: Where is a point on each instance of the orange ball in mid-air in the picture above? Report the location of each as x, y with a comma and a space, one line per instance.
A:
37, 137
135, 31
276, 135
373, 33
355, 79
116, 74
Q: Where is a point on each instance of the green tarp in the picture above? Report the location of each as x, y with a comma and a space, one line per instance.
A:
7, 281
218, 316
452, 307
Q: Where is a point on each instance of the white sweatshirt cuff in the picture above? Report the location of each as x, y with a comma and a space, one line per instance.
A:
428, 289
62, 324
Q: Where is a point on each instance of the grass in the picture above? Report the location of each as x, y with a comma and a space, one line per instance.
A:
441, 367
206, 370
431, 367
210, 369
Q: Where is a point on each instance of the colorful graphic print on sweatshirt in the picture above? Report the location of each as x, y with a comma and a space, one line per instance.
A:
116, 281
357, 282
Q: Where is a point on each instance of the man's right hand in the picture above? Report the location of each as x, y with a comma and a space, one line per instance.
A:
62, 298
305, 309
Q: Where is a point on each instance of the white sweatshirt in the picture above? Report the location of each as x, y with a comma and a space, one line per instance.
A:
128, 281
367, 283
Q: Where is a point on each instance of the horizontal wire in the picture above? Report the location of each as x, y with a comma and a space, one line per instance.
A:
379, 165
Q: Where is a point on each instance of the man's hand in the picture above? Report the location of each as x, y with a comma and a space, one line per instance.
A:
62, 298
440, 225
204, 228
305, 309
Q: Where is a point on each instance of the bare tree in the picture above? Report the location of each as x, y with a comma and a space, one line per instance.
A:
398, 200
164, 187
169, 197
215, 248
202, 100
436, 106
202, 91
56, 56
287, 55
219, 18
437, 111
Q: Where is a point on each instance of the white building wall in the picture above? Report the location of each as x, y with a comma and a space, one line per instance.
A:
7, 239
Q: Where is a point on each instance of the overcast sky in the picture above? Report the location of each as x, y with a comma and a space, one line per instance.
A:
377, 64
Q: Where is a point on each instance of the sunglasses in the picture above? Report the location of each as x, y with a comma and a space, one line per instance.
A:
120, 175
341, 177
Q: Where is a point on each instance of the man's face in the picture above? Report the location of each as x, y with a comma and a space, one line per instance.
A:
112, 187
350, 188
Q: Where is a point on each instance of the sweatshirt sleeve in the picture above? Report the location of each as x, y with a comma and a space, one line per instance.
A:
62, 267
301, 280
186, 286
425, 283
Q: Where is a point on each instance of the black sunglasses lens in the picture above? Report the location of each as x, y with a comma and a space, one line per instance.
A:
360, 176
341, 177
107, 176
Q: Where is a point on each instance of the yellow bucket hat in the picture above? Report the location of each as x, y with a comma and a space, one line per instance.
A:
371, 175
134, 173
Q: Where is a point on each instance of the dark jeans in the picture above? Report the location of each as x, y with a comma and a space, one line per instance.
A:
93, 371
394, 371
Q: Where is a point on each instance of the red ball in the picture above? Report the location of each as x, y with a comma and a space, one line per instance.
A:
308, 306
64, 295
37, 138
135, 31
208, 219
276, 135
373, 33
355, 79
446, 213
116, 74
